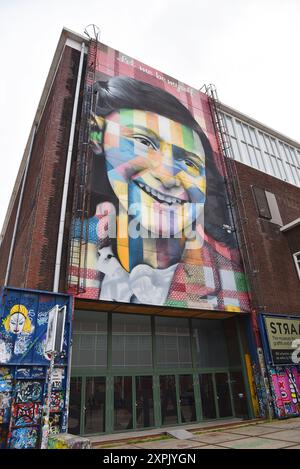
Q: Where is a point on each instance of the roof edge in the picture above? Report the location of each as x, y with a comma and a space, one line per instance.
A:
65, 34
259, 125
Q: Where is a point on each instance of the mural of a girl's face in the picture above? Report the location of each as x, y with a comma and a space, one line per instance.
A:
16, 323
158, 165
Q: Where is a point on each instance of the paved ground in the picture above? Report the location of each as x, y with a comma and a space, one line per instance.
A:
235, 434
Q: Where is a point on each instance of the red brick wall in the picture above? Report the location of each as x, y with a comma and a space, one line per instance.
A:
5, 245
35, 249
293, 237
277, 287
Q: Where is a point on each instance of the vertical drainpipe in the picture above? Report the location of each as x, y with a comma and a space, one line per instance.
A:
13, 240
67, 176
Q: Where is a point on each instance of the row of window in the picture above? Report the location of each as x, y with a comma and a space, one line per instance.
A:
262, 151
139, 341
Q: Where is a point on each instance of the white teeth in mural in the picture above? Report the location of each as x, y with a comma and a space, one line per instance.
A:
158, 195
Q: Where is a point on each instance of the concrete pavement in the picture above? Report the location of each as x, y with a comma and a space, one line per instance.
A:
234, 434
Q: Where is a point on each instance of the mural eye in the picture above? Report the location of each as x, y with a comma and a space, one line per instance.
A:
145, 141
192, 168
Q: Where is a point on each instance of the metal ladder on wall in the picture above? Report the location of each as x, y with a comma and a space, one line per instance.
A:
79, 233
236, 200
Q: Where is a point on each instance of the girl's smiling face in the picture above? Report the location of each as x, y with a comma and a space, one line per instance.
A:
158, 165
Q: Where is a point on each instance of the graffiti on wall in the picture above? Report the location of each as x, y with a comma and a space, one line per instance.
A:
286, 390
24, 367
25, 414
159, 225
5, 395
23, 327
28, 391
54, 423
23, 438
57, 401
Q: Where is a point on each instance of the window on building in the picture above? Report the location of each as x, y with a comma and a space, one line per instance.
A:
215, 342
262, 151
267, 206
89, 339
173, 346
296, 257
131, 341
210, 343
261, 202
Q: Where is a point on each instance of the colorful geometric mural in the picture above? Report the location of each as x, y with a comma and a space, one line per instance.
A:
158, 230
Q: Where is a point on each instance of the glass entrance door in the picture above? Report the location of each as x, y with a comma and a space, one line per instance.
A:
136, 402
168, 400
216, 395
75, 405
95, 392
207, 392
144, 401
223, 395
239, 394
123, 411
133, 402
187, 399
177, 399
87, 405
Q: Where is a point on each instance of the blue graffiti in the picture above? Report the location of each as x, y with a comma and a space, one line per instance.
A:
23, 373
42, 318
23, 438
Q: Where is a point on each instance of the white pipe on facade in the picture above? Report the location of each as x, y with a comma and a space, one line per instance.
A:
13, 240
67, 176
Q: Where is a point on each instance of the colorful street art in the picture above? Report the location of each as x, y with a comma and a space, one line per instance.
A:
28, 391
286, 391
57, 401
157, 231
24, 368
23, 438
6, 387
18, 320
55, 423
25, 414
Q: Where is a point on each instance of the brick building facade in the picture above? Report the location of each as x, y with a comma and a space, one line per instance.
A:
203, 351
274, 279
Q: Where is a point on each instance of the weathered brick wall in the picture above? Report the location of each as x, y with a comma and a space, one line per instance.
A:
277, 284
35, 249
293, 237
5, 245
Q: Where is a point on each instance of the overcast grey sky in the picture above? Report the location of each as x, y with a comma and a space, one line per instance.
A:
248, 48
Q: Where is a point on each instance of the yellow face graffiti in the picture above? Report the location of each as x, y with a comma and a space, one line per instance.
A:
156, 168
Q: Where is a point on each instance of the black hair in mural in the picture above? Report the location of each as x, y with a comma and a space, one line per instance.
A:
128, 93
